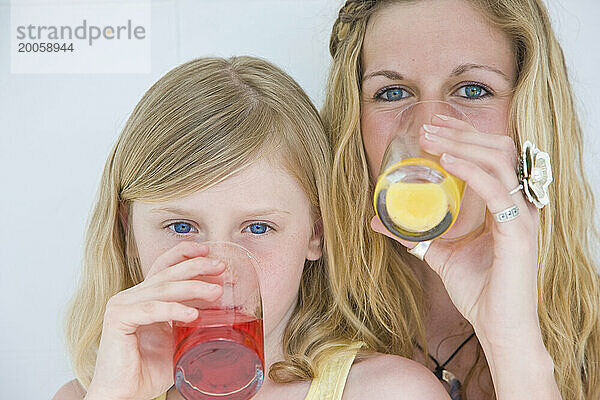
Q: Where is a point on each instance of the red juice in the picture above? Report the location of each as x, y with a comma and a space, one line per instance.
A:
219, 355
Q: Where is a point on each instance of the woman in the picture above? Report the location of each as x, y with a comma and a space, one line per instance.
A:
526, 288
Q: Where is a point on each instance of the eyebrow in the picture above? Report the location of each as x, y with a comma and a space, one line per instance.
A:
393, 75
461, 69
182, 211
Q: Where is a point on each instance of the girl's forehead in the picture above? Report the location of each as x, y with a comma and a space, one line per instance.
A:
260, 176
262, 184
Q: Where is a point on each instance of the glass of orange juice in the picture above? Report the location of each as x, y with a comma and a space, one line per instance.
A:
415, 198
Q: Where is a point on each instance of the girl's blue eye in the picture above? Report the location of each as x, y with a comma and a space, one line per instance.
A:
472, 92
181, 227
393, 94
258, 228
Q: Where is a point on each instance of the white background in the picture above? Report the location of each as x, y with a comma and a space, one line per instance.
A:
56, 131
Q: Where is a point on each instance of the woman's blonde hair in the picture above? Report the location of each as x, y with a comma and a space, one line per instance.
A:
200, 123
370, 279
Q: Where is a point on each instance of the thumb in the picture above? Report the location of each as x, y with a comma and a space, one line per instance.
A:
378, 227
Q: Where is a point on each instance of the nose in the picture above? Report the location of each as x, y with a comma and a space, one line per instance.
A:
412, 118
215, 232
416, 115
219, 239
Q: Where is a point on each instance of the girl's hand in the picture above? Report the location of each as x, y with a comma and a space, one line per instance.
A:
136, 347
491, 279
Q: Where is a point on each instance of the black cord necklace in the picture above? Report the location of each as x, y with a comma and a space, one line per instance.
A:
446, 376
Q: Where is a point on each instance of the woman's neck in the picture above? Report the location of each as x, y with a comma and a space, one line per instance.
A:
442, 319
445, 330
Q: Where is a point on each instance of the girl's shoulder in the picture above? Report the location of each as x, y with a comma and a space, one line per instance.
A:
396, 377
71, 390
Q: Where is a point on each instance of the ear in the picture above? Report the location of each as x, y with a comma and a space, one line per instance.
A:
315, 249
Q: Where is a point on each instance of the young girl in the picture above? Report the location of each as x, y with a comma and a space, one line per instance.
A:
218, 150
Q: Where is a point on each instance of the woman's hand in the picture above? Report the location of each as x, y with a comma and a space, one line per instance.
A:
492, 279
136, 348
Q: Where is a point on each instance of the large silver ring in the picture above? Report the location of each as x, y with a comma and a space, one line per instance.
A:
535, 174
507, 215
420, 249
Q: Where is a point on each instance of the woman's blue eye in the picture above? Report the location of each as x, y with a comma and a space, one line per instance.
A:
393, 94
181, 227
472, 92
258, 229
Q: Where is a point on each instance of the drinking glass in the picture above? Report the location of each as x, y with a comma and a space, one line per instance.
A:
415, 198
221, 353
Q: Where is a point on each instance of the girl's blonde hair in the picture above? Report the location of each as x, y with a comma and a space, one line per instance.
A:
371, 281
200, 123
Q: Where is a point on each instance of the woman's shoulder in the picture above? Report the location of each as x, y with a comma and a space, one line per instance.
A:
71, 390
397, 377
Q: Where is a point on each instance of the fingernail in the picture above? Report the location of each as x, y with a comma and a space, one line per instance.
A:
191, 311
431, 138
448, 158
431, 128
442, 117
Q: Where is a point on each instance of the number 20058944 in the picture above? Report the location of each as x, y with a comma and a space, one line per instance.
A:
44, 47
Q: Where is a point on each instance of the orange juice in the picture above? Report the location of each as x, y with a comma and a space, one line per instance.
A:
416, 199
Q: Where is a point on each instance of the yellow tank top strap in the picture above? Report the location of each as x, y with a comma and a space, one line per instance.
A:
332, 374
161, 397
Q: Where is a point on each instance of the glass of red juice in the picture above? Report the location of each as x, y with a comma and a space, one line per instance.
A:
221, 353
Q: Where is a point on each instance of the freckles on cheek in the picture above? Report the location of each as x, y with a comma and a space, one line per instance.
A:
489, 120
377, 129
148, 254
280, 271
